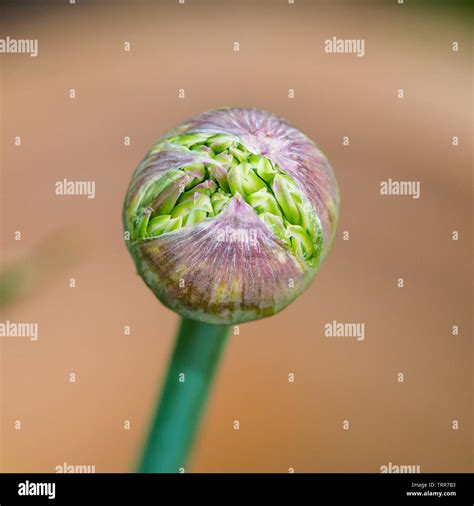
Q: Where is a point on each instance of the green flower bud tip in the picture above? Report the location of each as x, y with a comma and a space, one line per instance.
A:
199, 195
278, 194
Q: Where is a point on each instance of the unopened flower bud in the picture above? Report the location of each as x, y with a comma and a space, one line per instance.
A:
226, 210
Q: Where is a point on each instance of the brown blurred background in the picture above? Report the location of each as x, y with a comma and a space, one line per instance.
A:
136, 93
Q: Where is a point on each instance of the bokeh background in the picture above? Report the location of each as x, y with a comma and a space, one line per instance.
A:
135, 93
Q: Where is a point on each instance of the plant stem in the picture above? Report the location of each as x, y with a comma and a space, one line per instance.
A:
196, 354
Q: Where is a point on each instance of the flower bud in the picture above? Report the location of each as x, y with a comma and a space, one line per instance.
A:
230, 215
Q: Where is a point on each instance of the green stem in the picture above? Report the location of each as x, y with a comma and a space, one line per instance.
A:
196, 355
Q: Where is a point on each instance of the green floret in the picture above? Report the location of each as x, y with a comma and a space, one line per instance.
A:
199, 191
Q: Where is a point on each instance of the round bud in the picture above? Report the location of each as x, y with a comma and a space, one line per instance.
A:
230, 215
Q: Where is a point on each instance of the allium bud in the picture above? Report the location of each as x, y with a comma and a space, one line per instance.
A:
230, 215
